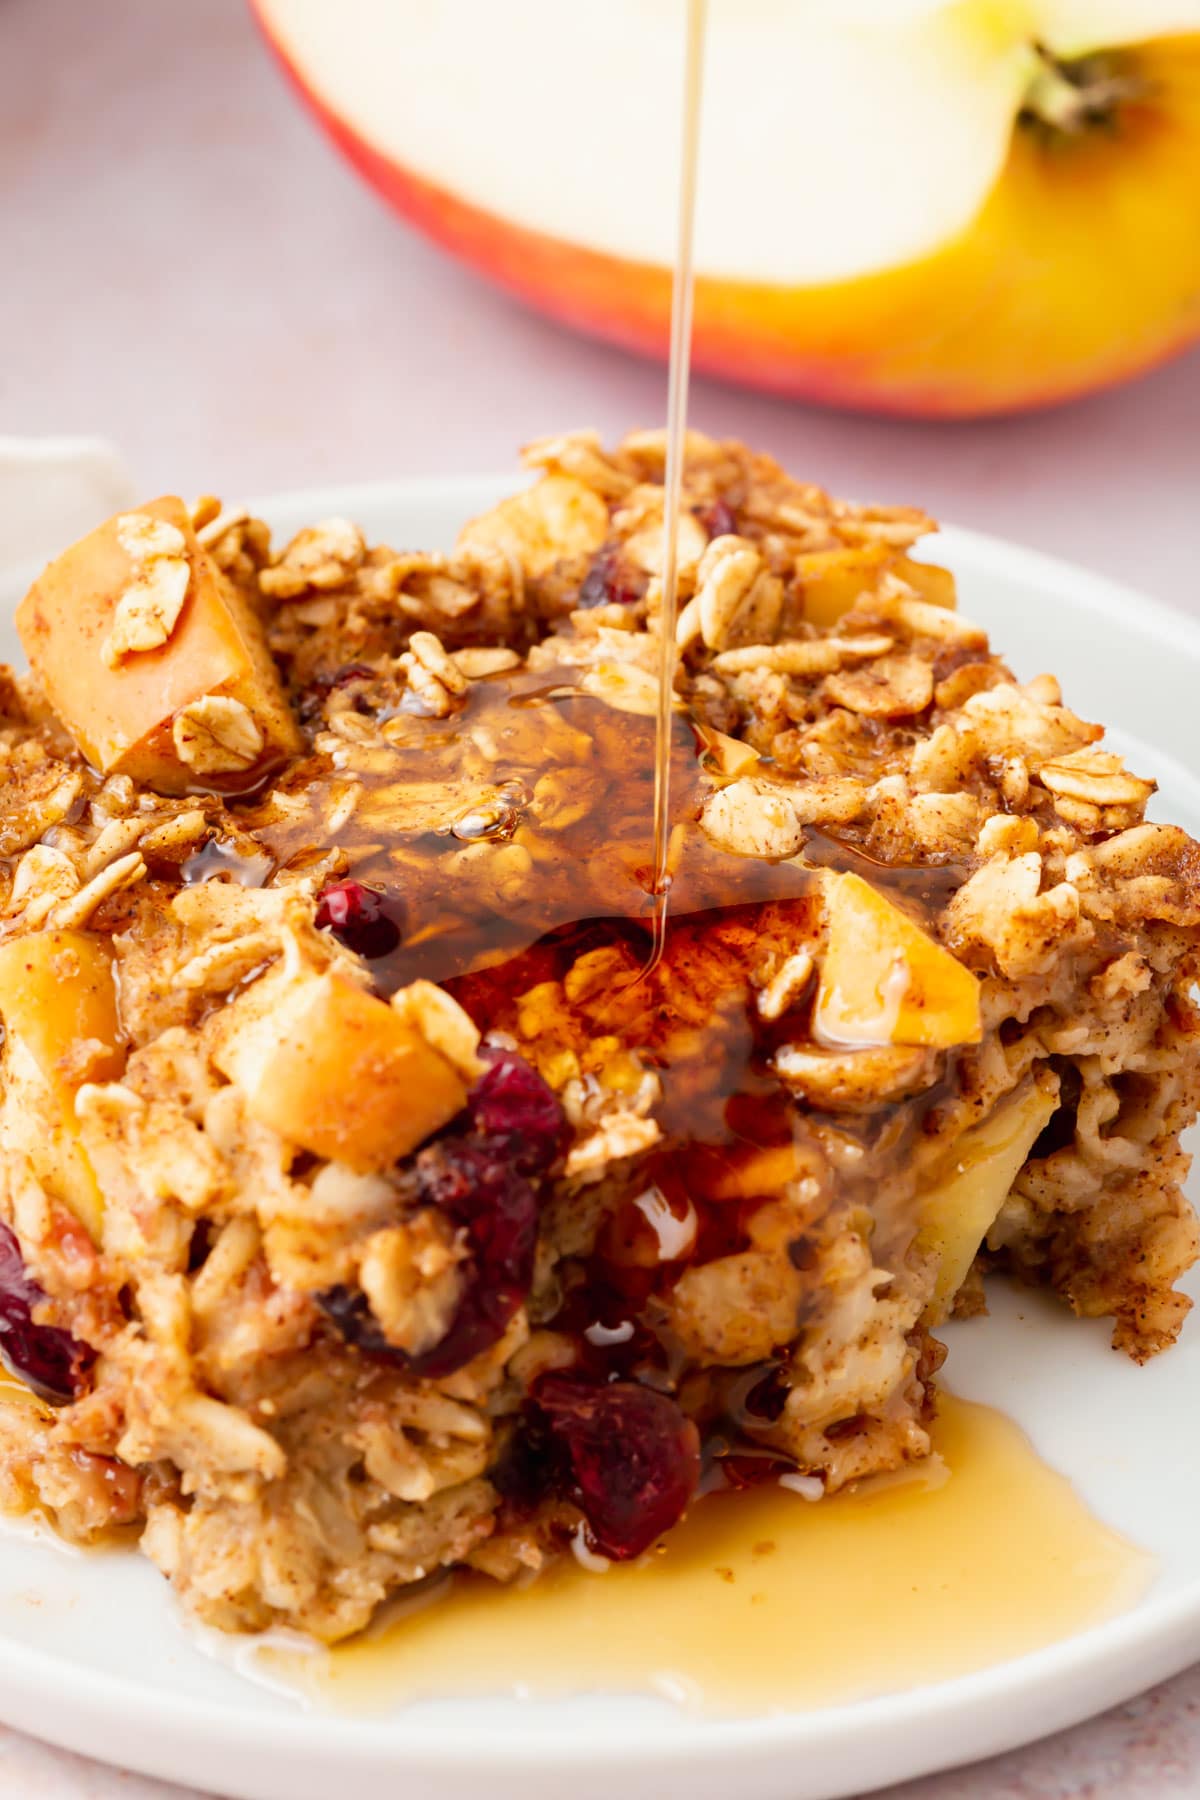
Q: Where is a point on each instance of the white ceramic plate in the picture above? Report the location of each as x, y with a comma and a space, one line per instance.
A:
92, 1653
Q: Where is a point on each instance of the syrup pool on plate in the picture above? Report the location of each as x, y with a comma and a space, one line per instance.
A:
762, 1601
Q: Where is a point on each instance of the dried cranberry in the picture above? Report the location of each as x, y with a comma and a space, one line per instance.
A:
511, 1105
532, 1464
347, 1308
719, 519
479, 1187
610, 582
482, 1180
343, 677
635, 1459
358, 918
51, 1362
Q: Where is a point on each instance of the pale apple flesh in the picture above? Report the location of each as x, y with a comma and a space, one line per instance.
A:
335, 1069
58, 1001
832, 581
953, 259
885, 981
958, 1212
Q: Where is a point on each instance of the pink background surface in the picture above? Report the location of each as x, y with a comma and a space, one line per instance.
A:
186, 268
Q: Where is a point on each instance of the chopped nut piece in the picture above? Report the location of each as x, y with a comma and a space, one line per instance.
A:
216, 736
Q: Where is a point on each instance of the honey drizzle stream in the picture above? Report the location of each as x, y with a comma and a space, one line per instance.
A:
682, 287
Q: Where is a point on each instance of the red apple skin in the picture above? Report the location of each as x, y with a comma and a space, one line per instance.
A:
1032, 305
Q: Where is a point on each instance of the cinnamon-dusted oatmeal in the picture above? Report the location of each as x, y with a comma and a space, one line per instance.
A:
372, 1201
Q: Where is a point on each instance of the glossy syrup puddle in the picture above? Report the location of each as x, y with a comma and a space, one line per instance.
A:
762, 1601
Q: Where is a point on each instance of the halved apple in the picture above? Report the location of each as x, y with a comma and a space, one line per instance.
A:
58, 1002
121, 707
334, 1069
884, 980
959, 1211
932, 207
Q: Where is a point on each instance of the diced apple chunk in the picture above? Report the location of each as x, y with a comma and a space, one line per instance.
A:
931, 582
335, 1070
119, 700
59, 1005
832, 581
884, 981
958, 1213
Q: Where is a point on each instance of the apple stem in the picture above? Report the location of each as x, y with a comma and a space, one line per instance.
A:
1067, 97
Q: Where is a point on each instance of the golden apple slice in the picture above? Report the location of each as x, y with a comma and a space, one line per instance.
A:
334, 1069
929, 580
832, 581
884, 981
158, 668
958, 1213
59, 1005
